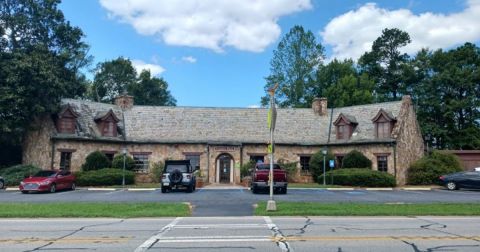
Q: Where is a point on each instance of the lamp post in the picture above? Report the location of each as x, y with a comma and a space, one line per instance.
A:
124, 152
324, 152
272, 117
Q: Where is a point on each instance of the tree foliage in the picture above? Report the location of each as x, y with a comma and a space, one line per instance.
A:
148, 90
355, 159
95, 161
40, 58
316, 164
112, 78
293, 67
386, 65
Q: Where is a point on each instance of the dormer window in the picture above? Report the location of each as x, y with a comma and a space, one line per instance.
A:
107, 123
384, 123
345, 125
67, 119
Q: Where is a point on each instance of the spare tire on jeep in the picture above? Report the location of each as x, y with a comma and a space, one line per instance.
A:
176, 177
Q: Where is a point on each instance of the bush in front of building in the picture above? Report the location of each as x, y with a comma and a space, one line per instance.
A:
104, 177
355, 159
117, 162
246, 168
156, 171
316, 164
15, 174
428, 169
359, 177
290, 168
95, 161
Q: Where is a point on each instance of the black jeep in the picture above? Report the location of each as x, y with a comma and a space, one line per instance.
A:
178, 174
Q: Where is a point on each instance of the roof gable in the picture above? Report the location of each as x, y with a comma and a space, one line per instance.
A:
382, 114
347, 119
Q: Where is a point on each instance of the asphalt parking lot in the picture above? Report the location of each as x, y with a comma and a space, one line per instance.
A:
239, 202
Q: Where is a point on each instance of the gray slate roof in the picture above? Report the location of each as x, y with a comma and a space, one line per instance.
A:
229, 125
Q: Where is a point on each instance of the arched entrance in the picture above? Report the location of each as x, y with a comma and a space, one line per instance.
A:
224, 168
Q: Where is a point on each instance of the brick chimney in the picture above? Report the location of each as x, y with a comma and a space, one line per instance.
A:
124, 101
319, 106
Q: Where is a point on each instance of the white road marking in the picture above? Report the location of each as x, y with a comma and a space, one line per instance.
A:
277, 235
417, 188
341, 189
227, 226
152, 240
101, 189
216, 240
141, 189
380, 189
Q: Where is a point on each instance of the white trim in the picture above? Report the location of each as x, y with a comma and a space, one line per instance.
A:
155, 238
232, 168
217, 167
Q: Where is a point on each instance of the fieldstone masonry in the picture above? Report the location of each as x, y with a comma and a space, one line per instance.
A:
174, 132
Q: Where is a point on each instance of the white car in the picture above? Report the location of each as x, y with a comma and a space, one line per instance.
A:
476, 169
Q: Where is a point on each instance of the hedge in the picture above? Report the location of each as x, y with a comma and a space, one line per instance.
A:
15, 174
359, 177
355, 159
96, 160
428, 169
104, 177
316, 164
118, 162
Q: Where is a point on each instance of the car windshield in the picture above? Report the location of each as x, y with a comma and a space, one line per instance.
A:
267, 166
171, 168
43, 174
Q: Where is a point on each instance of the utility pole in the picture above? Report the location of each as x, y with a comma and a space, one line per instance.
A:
272, 117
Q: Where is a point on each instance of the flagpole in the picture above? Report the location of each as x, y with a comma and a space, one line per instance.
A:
271, 205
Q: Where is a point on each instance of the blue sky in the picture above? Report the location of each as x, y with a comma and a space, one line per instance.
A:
217, 53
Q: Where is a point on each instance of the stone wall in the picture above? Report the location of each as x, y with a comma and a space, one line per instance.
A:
37, 147
410, 145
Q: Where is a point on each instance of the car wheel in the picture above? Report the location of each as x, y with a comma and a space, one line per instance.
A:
284, 190
190, 188
24, 192
164, 189
53, 188
452, 186
2, 184
73, 187
254, 189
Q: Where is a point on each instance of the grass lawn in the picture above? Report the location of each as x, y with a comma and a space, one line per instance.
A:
114, 210
362, 209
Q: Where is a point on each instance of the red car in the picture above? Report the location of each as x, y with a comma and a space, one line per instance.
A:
48, 181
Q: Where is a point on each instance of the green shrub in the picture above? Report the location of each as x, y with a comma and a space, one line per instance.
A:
355, 159
104, 177
290, 168
359, 177
96, 160
14, 174
316, 164
245, 168
157, 171
118, 162
428, 169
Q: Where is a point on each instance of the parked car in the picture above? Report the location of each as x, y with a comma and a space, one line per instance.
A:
48, 181
260, 180
2, 183
455, 181
476, 169
178, 174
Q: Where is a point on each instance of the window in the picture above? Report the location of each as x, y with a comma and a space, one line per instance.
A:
141, 163
109, 129
382, 163
194, 160
383, 129
66, 125
341, 131
305, 164
110, 156
65, 160
257, 158
339, 160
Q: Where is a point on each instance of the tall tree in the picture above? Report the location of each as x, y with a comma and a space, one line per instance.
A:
448, 96
40, 58
293, 67
350, 90
387, 65
112, 78
149, 90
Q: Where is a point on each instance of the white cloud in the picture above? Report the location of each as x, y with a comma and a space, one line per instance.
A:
249, 25
154, 69
189, 59
352, 33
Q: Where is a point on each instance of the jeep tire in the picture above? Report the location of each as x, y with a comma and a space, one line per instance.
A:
176, 177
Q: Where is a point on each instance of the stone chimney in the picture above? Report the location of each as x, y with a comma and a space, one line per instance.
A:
319, 106
124, 101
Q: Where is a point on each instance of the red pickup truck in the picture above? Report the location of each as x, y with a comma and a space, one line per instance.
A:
260, 178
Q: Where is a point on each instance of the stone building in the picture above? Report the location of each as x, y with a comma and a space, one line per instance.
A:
220, 140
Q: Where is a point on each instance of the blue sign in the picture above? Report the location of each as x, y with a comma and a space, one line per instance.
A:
332, 163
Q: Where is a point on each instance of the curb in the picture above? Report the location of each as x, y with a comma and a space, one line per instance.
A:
101, 189
417, 189
341, 189
380, 189
12, 189
142, 189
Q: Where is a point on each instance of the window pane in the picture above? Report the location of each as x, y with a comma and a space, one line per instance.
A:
382, 163
141, 163
65, 158
305, 163
257, 159
194, 160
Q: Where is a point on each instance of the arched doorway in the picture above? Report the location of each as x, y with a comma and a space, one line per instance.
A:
224, 169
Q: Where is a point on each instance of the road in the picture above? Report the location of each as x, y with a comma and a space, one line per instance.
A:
417, 234
239, 202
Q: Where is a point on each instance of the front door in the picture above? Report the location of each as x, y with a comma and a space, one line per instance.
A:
224, 168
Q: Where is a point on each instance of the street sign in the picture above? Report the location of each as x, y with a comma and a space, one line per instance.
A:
331, 163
